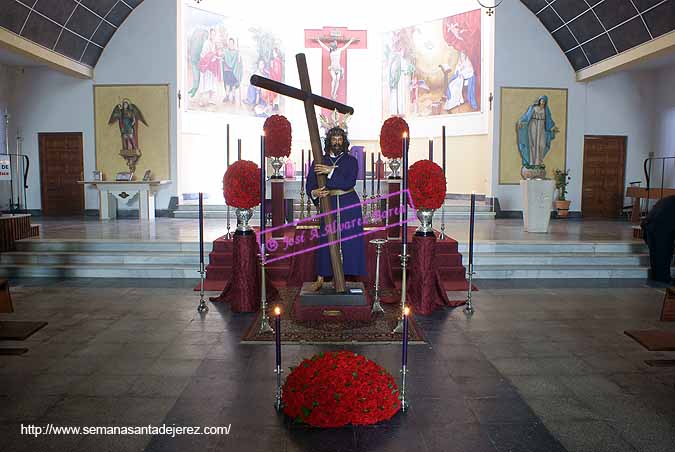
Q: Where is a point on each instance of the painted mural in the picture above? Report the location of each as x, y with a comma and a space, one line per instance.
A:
433, 68
221, 55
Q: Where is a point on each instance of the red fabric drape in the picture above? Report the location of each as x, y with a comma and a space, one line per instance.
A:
302, 267
243, 288
425, 291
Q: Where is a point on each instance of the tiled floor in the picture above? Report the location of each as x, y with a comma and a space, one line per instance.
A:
541, 366
183, 230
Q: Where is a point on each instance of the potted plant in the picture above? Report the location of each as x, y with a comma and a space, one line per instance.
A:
562, 178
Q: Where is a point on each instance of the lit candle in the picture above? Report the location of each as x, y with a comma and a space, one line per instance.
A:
262, 189
238, 148
277, 334
404, 186
302, 169
201, 228
404, 354
431, 149
379, 173
443, 132
228, 145
372, 174
471, 225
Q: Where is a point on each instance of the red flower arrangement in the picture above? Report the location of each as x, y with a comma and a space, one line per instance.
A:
391, 137
339, 388
427, 185
277, 136
241, 185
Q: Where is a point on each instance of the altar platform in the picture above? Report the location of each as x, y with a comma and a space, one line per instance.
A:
168, 248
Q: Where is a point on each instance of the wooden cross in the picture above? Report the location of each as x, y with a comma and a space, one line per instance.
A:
310, 100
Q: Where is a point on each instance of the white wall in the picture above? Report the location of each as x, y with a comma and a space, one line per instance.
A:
141, 51
664, 118
621, 104
6, 88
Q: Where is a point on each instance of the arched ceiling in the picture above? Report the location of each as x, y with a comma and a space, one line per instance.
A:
77, 29
588, 31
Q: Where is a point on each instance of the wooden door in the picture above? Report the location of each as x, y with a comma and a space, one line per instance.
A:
603, 184
61, 166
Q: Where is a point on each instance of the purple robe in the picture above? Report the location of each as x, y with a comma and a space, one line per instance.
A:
353, 248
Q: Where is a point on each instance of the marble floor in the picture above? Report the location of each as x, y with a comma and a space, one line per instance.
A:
184, 230
543, 365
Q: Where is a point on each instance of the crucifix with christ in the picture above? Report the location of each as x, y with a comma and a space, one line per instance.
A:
335, 42
310, 100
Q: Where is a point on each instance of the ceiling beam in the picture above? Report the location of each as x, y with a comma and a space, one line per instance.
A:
660, 46
15, 43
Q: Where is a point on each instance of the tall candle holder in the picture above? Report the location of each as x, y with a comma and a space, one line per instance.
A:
203, 307
468, 309
379, 243
442, 234
277, 370
404, 264
404, 360
302, 204
265, 326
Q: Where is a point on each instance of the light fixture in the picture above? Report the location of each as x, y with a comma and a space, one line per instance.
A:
490, 9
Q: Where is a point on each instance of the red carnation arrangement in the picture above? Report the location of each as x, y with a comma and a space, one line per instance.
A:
339, 388
277, 136
391, 137
241, 185
427, 185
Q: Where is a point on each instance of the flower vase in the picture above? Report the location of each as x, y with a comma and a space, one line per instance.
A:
425, 229
243, 217
277, 164
394, 166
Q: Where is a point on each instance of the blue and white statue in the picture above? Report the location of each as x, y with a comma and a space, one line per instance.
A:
536, 130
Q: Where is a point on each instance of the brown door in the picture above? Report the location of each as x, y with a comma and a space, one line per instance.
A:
61, 167
603, 185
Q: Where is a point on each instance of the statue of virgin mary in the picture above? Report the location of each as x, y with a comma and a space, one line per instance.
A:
536, 130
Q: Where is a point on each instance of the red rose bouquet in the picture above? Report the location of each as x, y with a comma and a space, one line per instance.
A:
277, 136
426, 183
241, 185
339, 388
391, 137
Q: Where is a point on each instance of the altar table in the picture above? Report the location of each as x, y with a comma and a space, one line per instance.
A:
110, 191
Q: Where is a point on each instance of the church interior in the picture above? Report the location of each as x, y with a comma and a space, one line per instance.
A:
345, 227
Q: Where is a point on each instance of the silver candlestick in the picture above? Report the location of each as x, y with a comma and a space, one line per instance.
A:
379, 243
228, 235
265, 326
442, 234
302, 204
404, 263
468, 309
277, 398
404, 401
203, 308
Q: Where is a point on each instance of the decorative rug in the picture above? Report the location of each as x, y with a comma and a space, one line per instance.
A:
16, 330
376, 331
653, 340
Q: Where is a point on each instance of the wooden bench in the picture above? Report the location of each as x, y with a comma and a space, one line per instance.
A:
638, 193
5, 298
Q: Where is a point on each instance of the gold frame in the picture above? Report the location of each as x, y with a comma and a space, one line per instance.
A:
535, 91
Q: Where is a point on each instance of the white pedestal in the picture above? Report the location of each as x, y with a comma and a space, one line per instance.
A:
110, 191
537, 204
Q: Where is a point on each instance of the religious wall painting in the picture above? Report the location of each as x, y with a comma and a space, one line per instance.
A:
132, 129
533, 133
221, 55
334, 43
433, 68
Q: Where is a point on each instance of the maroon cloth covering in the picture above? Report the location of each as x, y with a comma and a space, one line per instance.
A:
278, 211
425, 291
243, 288
302, 265
394, 202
